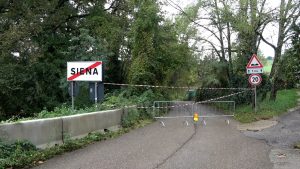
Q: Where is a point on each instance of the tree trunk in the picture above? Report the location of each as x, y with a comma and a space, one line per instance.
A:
274, 89
278, 49
229, 52
275, 69
274, 84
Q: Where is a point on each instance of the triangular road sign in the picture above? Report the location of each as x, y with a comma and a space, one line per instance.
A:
254, 63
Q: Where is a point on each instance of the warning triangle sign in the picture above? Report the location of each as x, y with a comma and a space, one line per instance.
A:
254, 63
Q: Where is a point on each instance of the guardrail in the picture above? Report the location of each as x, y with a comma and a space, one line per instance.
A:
51, 131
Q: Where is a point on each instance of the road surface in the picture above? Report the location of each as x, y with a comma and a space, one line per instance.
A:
176, 146
282, 138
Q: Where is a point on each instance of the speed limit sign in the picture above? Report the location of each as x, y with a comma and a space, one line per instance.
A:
255, 79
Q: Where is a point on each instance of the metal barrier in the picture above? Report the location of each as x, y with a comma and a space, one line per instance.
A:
185, 110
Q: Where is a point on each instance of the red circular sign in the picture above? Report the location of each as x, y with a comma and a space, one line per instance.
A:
255, 79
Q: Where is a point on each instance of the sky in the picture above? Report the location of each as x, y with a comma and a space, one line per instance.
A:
270, 32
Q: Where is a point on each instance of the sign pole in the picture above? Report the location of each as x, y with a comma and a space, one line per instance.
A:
96, 97
255, 100
254, 68
72, 93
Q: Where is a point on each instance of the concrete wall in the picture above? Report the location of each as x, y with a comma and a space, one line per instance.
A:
42, 132
80, 125
48, 132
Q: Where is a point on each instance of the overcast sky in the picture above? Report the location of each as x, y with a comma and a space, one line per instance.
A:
270, 32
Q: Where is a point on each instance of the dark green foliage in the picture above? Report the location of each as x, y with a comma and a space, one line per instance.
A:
130, 118
158, 56
211, 71
25, 90
43, 36
7, 149
143, 50
133, 39
290, 63
16, 154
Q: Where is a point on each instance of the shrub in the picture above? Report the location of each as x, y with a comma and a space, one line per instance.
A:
130, 118
17, 153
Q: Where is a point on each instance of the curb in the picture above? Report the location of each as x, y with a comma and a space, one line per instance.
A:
257, 126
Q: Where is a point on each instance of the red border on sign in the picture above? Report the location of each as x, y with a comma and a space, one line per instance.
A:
253, 67
82, 72
249, 79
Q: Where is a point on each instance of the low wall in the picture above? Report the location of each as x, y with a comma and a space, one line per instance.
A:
48, 132
80, 125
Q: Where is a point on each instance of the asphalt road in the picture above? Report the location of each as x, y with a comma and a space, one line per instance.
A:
282, 138
175, 146
282, 135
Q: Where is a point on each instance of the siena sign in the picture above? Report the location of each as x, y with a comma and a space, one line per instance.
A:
84, 71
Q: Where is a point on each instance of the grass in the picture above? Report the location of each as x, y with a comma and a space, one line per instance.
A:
297, 145
286, 99
63, 110
268, 66
23, 154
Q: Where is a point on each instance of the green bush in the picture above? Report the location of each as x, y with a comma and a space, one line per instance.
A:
239, 81
118, 99
16, 154
130, 118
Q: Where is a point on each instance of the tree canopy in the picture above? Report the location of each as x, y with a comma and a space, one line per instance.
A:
207, 44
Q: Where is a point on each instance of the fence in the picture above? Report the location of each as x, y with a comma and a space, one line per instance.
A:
163, 107
184, 110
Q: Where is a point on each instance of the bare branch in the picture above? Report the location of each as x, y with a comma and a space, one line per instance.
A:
177, 7
267, 42
212, 45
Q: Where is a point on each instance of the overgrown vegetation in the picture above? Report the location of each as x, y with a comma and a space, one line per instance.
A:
118, 99
297, 145
136, 42
267, 109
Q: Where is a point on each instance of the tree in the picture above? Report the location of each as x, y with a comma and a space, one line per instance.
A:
290, 62
33, 34
39, 37
286, 18
144, 30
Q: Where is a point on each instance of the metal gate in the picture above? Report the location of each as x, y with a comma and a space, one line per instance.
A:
187, 110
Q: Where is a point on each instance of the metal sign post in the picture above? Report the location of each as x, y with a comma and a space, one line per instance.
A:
254, 80
73, 90
72, 93
96, 97
86, 71
254, 68
255, 100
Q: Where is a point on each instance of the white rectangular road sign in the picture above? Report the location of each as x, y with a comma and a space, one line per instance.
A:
84, 71
254, 71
